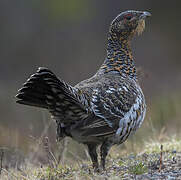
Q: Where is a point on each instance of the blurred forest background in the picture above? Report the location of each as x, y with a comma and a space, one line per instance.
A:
69, 37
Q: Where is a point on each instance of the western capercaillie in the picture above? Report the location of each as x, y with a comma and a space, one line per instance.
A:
103, 110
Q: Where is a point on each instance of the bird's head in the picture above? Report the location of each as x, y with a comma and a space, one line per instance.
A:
128, 23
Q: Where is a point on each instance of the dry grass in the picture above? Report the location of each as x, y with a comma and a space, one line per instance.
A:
145, 163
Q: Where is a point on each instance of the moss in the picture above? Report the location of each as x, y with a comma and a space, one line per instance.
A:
138, 168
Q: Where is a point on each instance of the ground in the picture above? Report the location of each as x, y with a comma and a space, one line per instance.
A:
156, 161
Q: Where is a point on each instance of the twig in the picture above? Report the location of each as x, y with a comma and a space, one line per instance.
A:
63, 154
161, 158
75, 157
12, 174
1, 161
41, 139
86, 152
51, 158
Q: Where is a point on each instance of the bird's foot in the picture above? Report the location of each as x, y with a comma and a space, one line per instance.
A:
102, 169
102, 165
99, 169
96, 168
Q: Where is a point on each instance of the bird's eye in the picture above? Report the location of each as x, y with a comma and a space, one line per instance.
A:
128, 16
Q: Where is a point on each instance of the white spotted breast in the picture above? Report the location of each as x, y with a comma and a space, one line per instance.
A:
121, 104
133, 119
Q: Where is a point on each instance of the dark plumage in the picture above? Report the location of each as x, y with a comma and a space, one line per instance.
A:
103, 110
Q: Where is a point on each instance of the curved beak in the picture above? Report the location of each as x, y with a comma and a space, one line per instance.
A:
145, 14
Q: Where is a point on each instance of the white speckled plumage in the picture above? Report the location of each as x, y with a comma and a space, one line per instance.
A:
104, 109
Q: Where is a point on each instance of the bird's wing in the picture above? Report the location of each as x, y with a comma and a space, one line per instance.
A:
93, 126
110, 103
44, 89
113, 100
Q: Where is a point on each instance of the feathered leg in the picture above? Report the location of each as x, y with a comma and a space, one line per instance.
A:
105, 147
60, 131
93, 155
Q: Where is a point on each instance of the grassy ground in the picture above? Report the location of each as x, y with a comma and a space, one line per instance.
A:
154, 160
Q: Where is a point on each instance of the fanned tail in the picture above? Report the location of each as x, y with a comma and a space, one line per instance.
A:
43, 89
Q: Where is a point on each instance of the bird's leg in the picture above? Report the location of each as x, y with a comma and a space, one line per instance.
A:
105, 147
93, 155
60, 132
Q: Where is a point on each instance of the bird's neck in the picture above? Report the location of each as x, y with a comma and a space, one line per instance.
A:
119, 58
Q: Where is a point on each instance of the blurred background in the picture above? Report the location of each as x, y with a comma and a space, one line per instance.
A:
69, 37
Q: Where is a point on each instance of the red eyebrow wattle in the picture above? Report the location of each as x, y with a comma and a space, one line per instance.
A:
127, 15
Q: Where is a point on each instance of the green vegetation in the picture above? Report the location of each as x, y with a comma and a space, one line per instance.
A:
138, 168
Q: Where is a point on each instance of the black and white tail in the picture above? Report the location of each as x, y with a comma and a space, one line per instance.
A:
43, 89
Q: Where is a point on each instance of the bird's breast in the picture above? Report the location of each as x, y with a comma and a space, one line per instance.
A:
132, 120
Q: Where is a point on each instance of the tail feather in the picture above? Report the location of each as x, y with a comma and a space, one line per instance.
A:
43, 89
35, 91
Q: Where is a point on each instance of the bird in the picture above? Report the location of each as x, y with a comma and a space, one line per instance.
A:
103, 110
